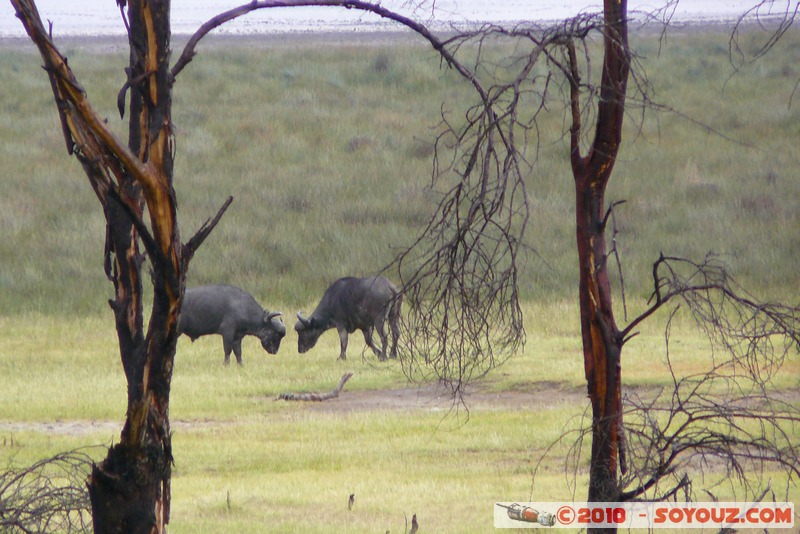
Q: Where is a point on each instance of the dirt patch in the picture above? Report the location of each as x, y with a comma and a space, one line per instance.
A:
526, 396
431, 398
438, 398
62, 428
84, 428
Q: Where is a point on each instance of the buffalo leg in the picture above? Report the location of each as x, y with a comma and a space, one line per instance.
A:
394, 322
395, 336
343, 343
227, 344
371, 344
381, 326
237, 350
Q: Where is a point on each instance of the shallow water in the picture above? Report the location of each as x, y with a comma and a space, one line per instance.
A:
102, 17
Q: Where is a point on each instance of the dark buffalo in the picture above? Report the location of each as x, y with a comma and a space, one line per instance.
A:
232, 313
351, 304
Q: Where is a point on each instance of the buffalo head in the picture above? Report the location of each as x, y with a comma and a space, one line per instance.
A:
308, 332
271, 332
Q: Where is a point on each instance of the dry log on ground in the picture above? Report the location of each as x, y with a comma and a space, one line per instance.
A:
317, 397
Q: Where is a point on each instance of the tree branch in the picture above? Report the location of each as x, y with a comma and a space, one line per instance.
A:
68, 90
189, 50
697, 283
574, 79
197, 239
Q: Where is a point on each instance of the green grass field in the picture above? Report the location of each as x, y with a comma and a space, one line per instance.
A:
326, 149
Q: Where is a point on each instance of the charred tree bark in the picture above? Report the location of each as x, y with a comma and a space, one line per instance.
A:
130, 489
602, 342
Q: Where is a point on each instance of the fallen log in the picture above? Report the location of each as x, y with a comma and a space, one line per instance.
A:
317, 397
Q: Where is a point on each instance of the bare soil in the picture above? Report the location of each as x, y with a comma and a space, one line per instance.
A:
438, 398
538, 395
82, 428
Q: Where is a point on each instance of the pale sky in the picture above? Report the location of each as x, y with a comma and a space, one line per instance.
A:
87, 17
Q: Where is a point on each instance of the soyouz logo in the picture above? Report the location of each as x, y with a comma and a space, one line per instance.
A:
527, 514
675, 515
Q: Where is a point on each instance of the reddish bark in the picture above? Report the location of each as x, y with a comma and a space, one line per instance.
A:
602, 342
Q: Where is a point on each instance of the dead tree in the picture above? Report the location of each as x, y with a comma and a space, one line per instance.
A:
774, 20
725, 425
130, 489
602, 342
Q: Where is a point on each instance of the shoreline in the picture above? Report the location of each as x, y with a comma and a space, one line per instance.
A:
110, 43
370, 37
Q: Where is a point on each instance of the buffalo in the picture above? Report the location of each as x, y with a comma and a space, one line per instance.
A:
351, 304
232, 313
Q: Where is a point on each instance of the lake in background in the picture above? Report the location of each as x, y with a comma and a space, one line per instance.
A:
102, 17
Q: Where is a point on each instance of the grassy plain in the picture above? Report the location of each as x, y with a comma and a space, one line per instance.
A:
326, 147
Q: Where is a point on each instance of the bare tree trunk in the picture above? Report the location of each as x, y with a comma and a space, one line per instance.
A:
130, 489
602, 342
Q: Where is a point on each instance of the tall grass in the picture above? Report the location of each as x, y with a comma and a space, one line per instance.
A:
327, 152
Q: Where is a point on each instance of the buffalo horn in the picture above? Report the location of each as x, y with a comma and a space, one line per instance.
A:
305, 322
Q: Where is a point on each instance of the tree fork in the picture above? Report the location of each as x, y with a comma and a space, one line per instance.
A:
130, 489
602, 342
